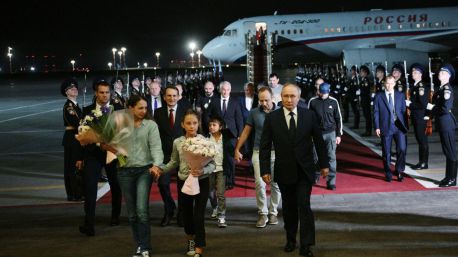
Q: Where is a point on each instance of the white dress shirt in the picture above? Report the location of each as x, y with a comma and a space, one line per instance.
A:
288, 117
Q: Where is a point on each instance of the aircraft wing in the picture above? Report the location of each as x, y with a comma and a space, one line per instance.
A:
446, 38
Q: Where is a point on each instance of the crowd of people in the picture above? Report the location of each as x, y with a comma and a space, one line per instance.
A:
289, 133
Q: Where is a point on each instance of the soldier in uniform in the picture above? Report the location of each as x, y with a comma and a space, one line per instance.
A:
446, 123
118, 100
397, 72
353, 97
135, 86
73, 158
417, 103
365, 85
380, 72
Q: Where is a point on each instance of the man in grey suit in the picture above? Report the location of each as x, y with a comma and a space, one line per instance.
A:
293, 131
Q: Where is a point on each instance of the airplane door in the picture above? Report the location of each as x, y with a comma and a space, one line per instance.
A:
249, 27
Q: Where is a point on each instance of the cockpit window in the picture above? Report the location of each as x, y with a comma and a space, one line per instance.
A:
234, 32
227, 33
230, 33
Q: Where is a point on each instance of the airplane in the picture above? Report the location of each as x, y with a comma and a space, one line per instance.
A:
356, 37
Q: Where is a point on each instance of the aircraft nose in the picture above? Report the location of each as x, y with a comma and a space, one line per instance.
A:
209, 49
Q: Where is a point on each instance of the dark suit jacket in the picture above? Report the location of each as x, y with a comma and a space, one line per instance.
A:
382, 114
291, 154
161, 116
233, 116
150, 104
243, 107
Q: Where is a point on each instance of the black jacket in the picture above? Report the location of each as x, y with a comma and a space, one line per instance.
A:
328, 113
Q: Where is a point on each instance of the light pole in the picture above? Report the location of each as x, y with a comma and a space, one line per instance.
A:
123, 49
120, 59
73, 64
157, 57
109, 65
10, 56
199, 52
114, 55
192, 59
192, 46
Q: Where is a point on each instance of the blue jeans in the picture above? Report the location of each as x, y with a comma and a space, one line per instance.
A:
136, 185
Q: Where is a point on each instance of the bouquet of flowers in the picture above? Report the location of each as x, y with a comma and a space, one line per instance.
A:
103, 125
197, 152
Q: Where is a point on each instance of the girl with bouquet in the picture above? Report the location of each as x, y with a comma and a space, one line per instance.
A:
199, 166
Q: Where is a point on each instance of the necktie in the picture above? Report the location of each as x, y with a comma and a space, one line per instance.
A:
171, 119
224, 106
155, 104
292, 125
390, 102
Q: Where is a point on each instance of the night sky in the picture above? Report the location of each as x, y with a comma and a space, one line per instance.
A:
66, 29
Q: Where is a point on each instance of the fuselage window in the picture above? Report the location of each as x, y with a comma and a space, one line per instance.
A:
301, 31
288, 31
227, 33
282, 32
234, 32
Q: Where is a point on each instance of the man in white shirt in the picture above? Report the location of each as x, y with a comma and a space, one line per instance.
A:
276, 87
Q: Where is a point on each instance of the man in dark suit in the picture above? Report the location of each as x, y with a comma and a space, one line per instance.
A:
290, 131
203, 105
228, 108
94, 160
168, 119
389, 119
154, 100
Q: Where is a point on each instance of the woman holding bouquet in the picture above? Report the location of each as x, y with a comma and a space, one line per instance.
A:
193, 205
135, 178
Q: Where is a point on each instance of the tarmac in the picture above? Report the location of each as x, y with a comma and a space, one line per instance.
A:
35, 219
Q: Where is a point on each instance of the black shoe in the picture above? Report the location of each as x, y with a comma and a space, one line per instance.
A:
305, 251
420, 166
166, 220
388, 179
87, 230
289, 247
331, 187
448, 183
115, 221
400, 176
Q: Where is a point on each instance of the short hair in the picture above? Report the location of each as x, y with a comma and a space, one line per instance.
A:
263, 89
172, 87
224, 83
216, 119
288, 84
248, 84
273, 74
389, 77
102, 83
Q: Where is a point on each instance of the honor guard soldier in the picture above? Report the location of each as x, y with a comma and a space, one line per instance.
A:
380, 72
117, 99
353, 97
365, 85
397, 72
446, 123
417, 103
73, 158
135, 86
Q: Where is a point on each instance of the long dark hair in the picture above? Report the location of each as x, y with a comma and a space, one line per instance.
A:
134, 99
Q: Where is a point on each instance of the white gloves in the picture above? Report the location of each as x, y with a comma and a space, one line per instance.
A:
430, 106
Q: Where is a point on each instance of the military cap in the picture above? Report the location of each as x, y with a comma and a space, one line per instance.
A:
134, 77
67, 84
380, 68
418, 67
325, 88
114, 80
449, 68
397, 67
148, 77
364, 68
354, 68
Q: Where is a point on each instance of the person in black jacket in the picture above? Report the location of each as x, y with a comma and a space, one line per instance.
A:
293, 131
327, 110
73, 159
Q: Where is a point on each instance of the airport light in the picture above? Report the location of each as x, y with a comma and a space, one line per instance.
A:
192, 59
114, 55
120, 58
199, 52
10, 56
145, 65
73, 64
109, 65
123, 49
192, 46
157, 57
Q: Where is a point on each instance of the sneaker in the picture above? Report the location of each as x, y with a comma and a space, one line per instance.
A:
145, 254
138, 253
262, 221
198, 255
222, 222
191, 248
214, 213
273, 220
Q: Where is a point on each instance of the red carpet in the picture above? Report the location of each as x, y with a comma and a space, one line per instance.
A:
359, 170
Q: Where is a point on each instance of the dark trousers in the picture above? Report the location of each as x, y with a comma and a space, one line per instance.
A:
194, 211
296, 209
448, 144
92, 172
400, 140
72, 180
366, 106
228, 161
419, 126
354, 108
163, 184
